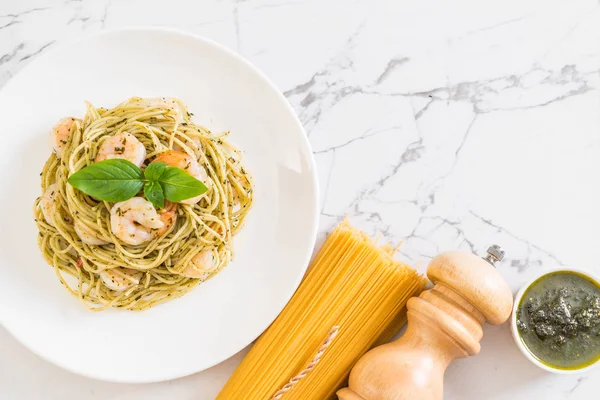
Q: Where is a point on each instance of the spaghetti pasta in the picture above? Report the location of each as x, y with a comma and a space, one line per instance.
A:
78, 235
353, 284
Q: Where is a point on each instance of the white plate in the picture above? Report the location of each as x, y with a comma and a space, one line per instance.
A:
218, 318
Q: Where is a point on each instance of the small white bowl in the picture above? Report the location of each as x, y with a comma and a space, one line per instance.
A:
515, 332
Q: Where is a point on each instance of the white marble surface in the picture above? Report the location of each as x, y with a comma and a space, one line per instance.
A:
445, 124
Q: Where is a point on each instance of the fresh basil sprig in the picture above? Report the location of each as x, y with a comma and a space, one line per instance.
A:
154, 193
111, 180
119, 180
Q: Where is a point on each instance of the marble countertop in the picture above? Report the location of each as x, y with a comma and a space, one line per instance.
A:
442, 124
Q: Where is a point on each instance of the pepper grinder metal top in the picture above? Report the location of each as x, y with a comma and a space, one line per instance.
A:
495, 254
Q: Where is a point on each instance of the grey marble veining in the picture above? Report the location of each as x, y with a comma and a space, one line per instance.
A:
439, 124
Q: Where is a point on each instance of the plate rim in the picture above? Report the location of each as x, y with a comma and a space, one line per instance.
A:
65, 43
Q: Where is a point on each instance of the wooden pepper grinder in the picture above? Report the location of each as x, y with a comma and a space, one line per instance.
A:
444, 324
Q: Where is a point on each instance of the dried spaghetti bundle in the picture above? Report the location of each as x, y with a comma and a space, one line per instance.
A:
352, 283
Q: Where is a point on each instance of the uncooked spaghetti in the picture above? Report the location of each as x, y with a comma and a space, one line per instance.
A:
132, 254
352, 284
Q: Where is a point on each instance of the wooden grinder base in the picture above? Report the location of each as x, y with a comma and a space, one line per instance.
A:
444, 323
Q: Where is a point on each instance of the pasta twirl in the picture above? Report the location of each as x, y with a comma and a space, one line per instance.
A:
77, 233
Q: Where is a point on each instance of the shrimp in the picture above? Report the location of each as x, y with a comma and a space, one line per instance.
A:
87, 235
122, 145
200, 265
60, 135
121, 278
135, 221
187, 163
48, 204
168, 216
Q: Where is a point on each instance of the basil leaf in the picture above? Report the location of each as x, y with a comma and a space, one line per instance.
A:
109, 180
178, 185
154, 170
154, 193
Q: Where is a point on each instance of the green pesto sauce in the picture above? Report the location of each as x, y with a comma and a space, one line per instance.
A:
559, 320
